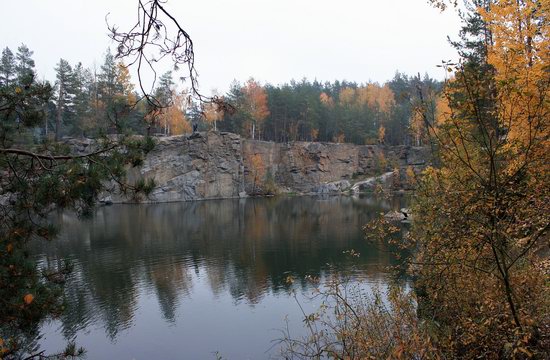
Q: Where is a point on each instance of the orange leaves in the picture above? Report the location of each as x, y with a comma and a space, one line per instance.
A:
257, 163
417, 127
3, 348
28, 299
125, 82
326, 100
257, 171
520, 54
173, 118
381, 134
519, 32
411, 176
443, 111
289, 280
351, 324
177, 121
373, 95
382, 96
256, 100
255, 104
340, 138
314, 134
212, 113
347, 96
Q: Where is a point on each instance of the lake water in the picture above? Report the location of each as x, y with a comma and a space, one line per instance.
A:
187, 280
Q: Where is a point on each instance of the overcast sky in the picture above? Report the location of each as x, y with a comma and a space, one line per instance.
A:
273, 41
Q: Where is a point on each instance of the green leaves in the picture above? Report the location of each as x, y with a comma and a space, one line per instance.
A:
36, 178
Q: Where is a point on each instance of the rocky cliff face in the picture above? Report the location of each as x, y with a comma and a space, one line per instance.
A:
207, 167
222, 165
304, 166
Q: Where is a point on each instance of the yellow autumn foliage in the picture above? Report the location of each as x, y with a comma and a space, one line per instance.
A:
520, 55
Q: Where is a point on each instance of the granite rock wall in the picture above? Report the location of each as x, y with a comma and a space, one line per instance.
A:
220, 165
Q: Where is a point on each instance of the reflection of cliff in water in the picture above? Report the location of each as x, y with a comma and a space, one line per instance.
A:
242, 247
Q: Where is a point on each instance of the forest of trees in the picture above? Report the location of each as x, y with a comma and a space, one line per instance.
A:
337, 111
87, 102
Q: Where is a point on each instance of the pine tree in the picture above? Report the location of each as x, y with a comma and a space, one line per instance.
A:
24, 67
124, 85
36, 178
106, 90
107, 78
164, 96
64, 93
233, 122
83, 96
115, 94
165, 88
7, 67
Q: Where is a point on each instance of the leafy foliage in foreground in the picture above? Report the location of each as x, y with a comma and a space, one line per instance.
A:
36, 178
481, 216
353, 324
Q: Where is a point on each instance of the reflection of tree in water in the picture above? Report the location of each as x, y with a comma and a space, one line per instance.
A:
243, 247
170, 280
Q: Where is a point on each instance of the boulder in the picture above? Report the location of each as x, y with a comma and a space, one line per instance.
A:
402, 215
332, 187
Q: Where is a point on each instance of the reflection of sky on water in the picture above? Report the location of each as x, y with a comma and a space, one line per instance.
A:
187, 279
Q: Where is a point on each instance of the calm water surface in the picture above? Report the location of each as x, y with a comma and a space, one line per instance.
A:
187, 280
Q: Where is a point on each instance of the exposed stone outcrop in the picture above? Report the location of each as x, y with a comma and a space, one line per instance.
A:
220, 165
205, 167
371, 183
308, 166
332, 187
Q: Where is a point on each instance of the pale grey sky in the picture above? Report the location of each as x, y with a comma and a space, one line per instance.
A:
273, 41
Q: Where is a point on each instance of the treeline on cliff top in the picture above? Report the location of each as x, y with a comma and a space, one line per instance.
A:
86, 102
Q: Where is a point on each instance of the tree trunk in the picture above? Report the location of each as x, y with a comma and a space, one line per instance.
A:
45, 123
59, 113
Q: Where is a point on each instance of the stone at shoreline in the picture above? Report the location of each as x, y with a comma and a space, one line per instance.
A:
332, 187
370, 184
403, 215
107, 200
